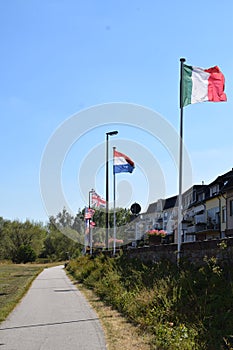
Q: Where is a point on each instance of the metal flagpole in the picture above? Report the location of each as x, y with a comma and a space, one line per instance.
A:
85, 229
107, 196
114, 207
90, 226
110, 133
182, 60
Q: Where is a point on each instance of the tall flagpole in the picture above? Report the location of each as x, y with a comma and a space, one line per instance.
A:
114, 206
85, 232
90, 226
110, 133
182, 60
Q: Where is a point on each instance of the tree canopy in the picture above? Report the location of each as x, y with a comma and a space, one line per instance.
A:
61, 238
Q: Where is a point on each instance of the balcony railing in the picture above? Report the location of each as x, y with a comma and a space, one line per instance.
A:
195, 228
201, 218
212, 226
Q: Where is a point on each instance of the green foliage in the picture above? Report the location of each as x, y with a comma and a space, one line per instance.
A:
24, 254
123, 216
27, 241
186, 308
58, 247
17, 236
14, 282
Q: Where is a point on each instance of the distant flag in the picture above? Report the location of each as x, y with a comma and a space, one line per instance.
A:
89, 213
200, 85
97, 201
122, 163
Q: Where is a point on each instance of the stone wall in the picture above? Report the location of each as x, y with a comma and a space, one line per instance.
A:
195, 252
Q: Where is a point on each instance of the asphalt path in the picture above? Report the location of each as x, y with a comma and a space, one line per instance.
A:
53, 315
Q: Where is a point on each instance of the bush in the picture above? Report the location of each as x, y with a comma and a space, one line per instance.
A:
24, 254
188, 308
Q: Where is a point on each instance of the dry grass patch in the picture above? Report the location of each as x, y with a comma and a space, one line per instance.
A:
119, 333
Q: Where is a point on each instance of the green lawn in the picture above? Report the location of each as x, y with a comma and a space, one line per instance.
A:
14, 282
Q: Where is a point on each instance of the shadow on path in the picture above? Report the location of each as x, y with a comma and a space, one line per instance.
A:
49, 324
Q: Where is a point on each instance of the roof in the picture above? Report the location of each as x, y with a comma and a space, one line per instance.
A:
170, 202
221, 179
152, 208
224, 181
229, 184
195, 187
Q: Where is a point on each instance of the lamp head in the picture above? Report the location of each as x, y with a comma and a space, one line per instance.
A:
111, 133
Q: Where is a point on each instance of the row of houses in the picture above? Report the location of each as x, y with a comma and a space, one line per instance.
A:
207, 212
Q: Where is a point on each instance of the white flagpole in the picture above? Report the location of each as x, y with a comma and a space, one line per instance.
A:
182, 60
114, 207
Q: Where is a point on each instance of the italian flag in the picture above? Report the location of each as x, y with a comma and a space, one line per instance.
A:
200, 85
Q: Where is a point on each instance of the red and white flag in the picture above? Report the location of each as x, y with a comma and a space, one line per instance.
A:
97, 201
88, 213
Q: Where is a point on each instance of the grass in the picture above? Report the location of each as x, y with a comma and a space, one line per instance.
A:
15, 280
187, 309
119, 333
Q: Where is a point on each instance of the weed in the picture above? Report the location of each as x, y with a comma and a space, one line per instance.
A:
190, 308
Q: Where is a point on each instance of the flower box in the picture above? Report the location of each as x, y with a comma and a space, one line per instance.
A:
155, 236
155, 240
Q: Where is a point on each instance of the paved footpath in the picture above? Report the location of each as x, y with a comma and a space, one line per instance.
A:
53, 315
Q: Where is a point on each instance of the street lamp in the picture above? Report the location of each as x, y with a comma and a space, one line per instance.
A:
110, 133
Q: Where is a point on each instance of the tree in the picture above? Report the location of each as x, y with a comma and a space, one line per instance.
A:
62, 240
16, 234
24, 254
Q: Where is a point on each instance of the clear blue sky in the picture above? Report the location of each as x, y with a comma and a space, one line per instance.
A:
59, 58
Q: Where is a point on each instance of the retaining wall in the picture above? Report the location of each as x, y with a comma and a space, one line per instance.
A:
195, 252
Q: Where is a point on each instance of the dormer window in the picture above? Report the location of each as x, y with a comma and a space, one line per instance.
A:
201, 196
214, 190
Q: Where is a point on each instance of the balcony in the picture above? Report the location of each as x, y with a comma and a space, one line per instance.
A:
200, 219
195, 228
212, 226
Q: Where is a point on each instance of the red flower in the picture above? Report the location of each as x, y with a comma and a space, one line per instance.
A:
161, 233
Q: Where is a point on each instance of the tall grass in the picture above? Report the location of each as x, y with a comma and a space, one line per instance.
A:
187, 309
14, 282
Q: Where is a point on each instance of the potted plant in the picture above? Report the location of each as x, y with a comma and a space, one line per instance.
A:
155, 236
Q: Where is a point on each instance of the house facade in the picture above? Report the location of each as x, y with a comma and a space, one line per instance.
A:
207, 212
194, 213
229, 209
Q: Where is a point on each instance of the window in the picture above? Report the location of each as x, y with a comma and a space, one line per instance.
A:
231, 208
194, 196
214, 190
201, 196
224, 216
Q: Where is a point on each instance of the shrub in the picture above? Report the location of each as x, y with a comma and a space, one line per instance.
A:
24, 254
186, 308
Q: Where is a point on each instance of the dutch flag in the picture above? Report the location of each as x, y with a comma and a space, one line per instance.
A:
122, 163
